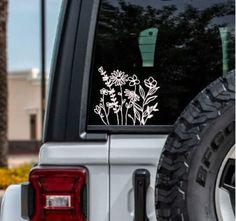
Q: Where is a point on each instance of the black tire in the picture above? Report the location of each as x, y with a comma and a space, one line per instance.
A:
193, 153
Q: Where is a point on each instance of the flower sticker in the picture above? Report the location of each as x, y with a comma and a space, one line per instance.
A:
132, 96
150, 82
132, 105
104, 91
133, 80
118, 78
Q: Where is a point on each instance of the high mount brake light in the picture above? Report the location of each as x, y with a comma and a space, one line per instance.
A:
58, 193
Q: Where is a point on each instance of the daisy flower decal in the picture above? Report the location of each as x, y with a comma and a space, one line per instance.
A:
118, 78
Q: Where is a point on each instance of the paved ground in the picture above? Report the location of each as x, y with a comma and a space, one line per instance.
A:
16, 160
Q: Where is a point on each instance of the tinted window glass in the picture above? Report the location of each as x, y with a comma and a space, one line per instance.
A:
151, 57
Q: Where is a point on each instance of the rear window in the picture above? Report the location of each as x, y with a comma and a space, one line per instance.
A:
151, 57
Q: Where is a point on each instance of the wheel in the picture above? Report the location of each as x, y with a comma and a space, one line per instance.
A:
195, 178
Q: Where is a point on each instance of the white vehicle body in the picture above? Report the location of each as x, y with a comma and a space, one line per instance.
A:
110, 166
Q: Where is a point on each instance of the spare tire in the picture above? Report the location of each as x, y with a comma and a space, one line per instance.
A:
194, 154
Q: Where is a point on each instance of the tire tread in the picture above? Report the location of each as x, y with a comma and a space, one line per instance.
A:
187, 133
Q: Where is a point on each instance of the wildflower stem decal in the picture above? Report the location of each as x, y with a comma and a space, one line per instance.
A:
126, 99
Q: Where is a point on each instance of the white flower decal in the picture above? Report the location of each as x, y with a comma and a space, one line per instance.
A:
133, 80
133, 106
132, 96
150, 82
118, 78
104, 91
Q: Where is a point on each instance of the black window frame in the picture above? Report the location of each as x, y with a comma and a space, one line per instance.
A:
60, 76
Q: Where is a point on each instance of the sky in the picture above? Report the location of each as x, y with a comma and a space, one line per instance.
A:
24, 33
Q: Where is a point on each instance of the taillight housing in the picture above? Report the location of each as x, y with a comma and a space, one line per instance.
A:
58, 193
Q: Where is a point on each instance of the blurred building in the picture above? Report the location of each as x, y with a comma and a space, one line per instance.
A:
24, 110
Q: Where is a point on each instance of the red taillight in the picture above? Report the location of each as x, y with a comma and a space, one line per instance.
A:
58, 193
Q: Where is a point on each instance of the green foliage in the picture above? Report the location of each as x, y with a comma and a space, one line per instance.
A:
14, 175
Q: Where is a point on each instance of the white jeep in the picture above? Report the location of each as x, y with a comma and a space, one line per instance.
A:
140, 117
